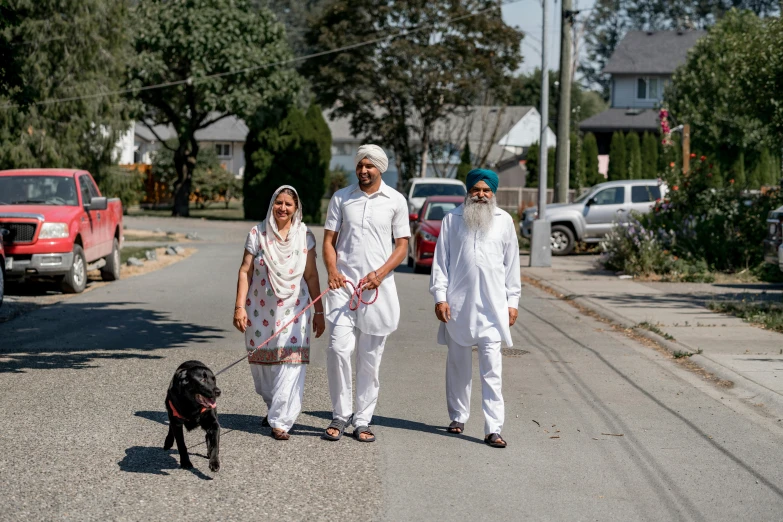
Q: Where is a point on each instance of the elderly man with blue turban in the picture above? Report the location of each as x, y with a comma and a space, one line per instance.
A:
476, 284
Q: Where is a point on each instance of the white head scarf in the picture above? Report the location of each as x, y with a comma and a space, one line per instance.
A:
373, 153
285, 259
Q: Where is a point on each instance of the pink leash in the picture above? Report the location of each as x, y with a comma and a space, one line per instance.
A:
353, 305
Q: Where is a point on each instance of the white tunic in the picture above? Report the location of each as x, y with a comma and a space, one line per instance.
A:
478, 277
367, 227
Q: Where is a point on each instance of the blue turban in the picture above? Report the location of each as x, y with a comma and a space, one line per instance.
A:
485, 175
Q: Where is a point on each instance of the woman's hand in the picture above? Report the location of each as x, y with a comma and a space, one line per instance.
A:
319, 325
241, 321
336, 280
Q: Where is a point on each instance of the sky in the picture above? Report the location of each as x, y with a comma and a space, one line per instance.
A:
527, 16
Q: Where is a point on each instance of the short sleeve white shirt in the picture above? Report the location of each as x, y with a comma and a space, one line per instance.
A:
367, 226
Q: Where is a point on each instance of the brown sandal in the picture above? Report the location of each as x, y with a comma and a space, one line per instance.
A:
456, 427
494, 440
279, 434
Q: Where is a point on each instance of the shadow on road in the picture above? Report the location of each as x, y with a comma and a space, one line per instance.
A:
402, 424
154, 461
236, 422
75, 335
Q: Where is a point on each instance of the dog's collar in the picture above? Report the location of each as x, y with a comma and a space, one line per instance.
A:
177, 414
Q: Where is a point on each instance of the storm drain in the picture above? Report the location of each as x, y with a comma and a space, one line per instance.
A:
509, 352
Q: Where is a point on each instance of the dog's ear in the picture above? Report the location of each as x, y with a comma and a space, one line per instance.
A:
182, 377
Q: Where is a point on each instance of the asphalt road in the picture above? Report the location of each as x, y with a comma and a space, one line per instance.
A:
599, 427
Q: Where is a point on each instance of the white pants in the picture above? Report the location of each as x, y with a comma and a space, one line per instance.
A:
343, 339
459, 378
282, 388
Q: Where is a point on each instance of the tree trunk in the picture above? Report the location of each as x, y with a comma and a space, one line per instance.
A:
185, 164
425, 146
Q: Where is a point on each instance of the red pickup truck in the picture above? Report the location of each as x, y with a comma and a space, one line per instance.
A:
55, 224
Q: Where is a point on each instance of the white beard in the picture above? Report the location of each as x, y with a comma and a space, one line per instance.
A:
478, 216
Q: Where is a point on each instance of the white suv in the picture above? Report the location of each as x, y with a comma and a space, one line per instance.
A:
419, 189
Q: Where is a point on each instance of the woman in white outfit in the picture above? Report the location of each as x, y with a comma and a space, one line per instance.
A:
277, 280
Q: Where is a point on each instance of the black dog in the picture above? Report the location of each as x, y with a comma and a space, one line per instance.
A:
190, 401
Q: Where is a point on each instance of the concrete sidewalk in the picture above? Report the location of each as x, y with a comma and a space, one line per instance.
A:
731, 349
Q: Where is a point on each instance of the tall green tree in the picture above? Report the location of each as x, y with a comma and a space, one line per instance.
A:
287, 147
218, 54
397, 88
633, 154
52, 51
723, 89
576, 163
532, 165
465, 163
649, 156
618, 158
590, 155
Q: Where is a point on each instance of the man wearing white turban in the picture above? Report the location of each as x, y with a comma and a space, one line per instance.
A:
360, 222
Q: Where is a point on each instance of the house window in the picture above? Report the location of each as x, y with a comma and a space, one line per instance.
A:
223, 150
648, 88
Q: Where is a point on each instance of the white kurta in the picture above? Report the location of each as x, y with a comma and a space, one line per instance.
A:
478, 277
367, 226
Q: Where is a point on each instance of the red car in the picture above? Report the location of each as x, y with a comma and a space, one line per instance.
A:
425, 229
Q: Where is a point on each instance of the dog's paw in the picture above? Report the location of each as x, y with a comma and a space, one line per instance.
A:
214, 465
186, 464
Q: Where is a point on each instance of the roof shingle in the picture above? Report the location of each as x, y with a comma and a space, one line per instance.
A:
660, 52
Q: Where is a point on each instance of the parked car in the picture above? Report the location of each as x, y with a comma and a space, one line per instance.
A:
425, 229
60, 227
419, 189
774, 241
592, 216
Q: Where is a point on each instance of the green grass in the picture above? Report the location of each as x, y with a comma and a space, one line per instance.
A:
768, 314
162, 239
654, 329
216, 211
128, 252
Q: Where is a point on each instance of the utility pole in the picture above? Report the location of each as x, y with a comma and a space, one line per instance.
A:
541, 237
564, 105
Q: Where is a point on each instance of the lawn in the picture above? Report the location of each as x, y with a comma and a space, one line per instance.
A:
217, 211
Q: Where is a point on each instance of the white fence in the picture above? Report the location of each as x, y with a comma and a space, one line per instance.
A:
514, 199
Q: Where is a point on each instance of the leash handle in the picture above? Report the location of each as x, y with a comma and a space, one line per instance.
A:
356, 295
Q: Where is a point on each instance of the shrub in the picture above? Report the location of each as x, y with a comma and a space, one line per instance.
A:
123, 183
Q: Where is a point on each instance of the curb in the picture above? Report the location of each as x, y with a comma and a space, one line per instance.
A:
744, 387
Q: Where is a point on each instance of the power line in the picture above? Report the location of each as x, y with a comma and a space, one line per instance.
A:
191, 81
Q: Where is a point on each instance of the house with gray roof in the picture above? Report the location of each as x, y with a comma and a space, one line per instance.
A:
640, 68
226, 136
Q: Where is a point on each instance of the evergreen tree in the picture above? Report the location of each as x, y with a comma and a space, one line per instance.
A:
737, 172
649, 156
533, 170
576, 164
590, 155
618, 160
465, 163
633, 155
286, 147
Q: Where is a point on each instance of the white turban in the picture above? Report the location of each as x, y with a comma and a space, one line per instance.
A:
373, 153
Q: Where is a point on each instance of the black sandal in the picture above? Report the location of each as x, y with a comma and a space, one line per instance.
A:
456, 427
338, 425
358, 430
494, 440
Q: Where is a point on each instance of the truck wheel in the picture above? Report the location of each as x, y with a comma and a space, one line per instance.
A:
111, 270
562, 240
75, 280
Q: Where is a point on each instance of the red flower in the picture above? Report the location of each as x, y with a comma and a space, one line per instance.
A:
252, 343
296, 321
293, 286
290, 270
293, 340
247, 302
731, 181
262, 263
709, 175
297, 302
279, 302
277, 324
262, 302
671, 164
693, 154
266, 323
703, 158
675, 187
263, 282
307, 340
263, 233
